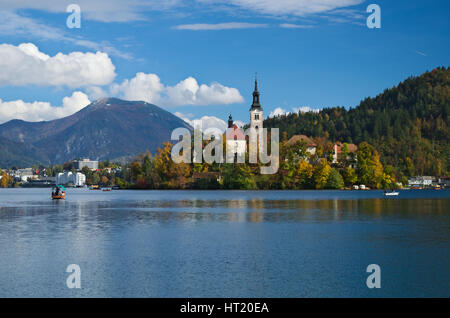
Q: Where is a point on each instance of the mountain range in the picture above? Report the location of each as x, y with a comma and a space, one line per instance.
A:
409, 124
108, 128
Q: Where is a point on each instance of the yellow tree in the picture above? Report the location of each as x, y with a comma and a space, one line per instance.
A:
320, 173
169, 173
5, 180
370, 169
104, 180
304, 173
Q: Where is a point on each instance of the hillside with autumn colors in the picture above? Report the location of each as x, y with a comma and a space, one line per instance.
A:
408, 124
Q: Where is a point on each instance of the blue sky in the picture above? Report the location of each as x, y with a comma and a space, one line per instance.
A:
315, 53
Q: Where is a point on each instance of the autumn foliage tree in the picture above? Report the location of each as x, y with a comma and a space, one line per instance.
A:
320, 173
167, 173
370, 169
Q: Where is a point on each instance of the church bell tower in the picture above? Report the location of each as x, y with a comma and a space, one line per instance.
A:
256, 111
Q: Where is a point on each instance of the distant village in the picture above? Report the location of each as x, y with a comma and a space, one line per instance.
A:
48, 177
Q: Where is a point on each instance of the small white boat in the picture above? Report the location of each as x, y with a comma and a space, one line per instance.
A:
393, 193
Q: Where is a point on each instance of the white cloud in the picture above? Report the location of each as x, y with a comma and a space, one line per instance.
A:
420, 53
100, 10
38, 111
205, 122
287, 7
220, 26
184, 116
74, 103
305, 109
95, 92
347, 16
145, 87
295, 26
13, 24
134, 10
25, 64
278, 112
239, 123
148, 87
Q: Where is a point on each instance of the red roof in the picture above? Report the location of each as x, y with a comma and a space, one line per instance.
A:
350, 147
296, 138
235, 133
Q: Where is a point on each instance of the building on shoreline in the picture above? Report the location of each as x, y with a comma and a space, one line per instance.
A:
343, 152
80, 164
68, 178
311, 146
421, 181
444, 182
23, 175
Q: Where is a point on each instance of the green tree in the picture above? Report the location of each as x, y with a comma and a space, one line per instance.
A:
95, 178
350, 176
87, 172
344, 151
334, 180
237, 176
136, 170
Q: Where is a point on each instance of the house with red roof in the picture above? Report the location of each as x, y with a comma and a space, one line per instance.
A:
236, 143
310, 144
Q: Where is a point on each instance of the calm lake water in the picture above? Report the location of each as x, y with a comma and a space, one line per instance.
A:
224, 243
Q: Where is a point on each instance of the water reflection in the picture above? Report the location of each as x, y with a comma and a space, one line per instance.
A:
223, 244
254, 210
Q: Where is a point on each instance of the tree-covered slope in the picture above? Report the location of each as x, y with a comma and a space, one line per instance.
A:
408, 124
20, 154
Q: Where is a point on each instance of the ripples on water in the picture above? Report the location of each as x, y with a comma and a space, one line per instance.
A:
224, 243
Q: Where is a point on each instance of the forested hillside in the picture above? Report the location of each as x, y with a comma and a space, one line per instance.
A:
408, 124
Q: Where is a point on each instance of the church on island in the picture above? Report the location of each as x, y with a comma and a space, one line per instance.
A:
236, 142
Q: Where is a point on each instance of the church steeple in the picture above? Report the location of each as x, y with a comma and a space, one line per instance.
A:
256, 111
256, 103
230, 121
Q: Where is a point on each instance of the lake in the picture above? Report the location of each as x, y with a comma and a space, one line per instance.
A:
224, 243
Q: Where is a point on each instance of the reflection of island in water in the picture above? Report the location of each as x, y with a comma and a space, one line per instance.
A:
224, 243
239, 210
